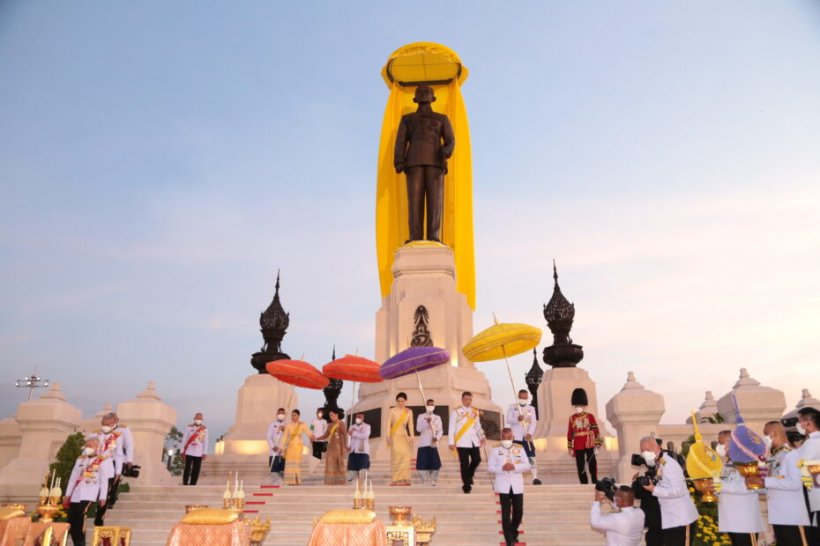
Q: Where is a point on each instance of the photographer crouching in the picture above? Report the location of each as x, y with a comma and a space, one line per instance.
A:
623, 527
678, 512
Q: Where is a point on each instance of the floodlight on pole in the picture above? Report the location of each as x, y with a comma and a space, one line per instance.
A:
32, 382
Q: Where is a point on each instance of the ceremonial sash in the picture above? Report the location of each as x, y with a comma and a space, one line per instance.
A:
332, 431
465, 427
193, 437
399, 423
111, 436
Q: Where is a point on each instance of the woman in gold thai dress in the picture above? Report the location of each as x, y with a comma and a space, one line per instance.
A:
293, 448
335, 462
400, 440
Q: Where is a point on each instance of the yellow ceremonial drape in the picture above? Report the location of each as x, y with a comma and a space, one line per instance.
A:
391, 190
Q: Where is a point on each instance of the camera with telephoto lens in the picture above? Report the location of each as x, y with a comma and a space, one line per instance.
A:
132, 471
650, 474
608, 486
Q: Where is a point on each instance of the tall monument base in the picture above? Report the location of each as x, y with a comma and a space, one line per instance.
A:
423, 304
257, 403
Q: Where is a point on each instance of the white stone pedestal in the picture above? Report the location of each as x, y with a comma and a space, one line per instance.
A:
424, 274
256, 405
44, 424
150, 419
554, 408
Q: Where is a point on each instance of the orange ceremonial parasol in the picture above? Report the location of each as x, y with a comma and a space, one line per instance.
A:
353, 368
298, 373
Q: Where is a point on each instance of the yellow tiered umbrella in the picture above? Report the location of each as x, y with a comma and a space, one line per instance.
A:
502, 340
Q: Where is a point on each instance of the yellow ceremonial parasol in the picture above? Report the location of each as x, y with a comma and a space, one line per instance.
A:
502, 340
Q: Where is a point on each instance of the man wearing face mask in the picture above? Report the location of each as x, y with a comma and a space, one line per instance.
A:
678, 512
622, 528
88, 483
359, 445
808, 424
738, 506
507, 463
122, 459
583, 437
428, 462
318, 427
110, 448
195, 449
276, 458
521, 418
466, 437
783, 488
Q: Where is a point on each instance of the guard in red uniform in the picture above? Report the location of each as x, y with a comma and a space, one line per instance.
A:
583, 437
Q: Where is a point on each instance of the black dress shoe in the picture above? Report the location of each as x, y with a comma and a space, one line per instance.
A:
466, 488
536, 481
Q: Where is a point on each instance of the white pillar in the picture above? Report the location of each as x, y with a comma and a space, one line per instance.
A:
635, 412
45, 424
757, 404
150, 420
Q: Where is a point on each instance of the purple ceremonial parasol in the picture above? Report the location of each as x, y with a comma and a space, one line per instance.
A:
414, 359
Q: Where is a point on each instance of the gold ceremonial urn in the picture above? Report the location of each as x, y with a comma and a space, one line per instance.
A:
401, 514
706, 488
259, 530
749, 470
424, 530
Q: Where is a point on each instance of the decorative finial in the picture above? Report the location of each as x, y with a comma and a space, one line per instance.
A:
555, 272
334, 353
277, 280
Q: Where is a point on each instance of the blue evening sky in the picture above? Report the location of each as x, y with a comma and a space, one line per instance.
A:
159, 161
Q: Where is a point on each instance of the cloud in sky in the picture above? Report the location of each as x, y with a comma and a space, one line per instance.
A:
158, 171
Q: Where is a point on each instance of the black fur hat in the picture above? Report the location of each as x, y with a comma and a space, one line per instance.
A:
579, 398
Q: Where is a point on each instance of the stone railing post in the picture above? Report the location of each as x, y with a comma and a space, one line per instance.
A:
45, 424
634, 412
150, 419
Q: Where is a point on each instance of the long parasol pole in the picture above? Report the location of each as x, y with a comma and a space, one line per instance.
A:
423, 398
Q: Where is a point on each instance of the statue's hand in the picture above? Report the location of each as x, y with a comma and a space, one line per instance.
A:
399, 167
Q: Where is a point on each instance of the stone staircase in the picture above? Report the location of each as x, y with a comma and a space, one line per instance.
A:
555, 513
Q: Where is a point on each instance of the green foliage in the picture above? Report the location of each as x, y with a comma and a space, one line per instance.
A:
177, 465
172, 441
66, 457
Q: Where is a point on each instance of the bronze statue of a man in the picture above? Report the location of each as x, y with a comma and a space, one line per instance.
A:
424, 142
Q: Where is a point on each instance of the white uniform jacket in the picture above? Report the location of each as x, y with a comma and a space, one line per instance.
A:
738, 506
810, 451
127, 453
521, 428
197, 435
89, 480
459, 418
508, 479
359, 438
624, 528
784, 490
274, 437
318, 427
111, 449
677, 508
428, 431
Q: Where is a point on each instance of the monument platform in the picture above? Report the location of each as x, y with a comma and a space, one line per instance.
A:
424, 308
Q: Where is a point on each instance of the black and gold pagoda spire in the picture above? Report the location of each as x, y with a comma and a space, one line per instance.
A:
273, 323
560, 313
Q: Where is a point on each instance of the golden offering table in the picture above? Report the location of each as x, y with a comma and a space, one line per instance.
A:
46, 534
349, 534
13, 531
236, 533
